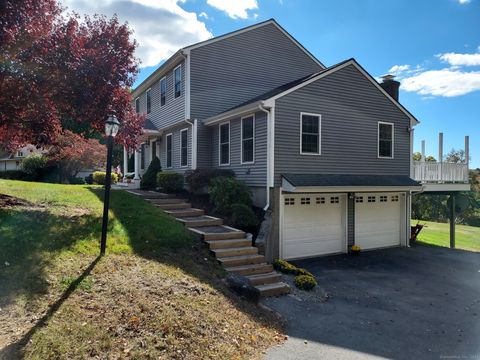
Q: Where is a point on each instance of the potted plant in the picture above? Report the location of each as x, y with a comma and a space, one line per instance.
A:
355, 249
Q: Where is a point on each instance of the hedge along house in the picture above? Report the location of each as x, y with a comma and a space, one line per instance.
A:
328, 150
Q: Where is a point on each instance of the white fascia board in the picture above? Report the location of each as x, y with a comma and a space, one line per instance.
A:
237, 112
446, 187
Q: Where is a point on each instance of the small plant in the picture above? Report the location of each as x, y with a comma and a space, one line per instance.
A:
170, 182
99, 177
243, 217
303, 272
226, 191
199, 179
284, 267
149, 179
77, 181
305, 282
13, 175
355, 249
33, 166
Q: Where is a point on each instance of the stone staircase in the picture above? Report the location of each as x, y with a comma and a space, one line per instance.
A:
231, 248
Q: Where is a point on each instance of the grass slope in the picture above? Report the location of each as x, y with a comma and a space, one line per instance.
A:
466, 237
157, 294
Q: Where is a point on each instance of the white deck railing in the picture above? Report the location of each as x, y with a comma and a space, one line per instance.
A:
433, 172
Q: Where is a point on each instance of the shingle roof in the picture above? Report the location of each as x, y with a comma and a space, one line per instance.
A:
350, 180
149, 125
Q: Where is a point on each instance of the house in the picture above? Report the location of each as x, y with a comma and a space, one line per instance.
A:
328, 150
13, 161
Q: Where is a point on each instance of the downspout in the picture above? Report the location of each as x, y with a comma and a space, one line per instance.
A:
267, 187
194, 141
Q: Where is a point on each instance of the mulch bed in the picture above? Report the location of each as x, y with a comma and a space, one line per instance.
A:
6, 200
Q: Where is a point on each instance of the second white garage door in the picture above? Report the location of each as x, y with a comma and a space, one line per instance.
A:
378, 219
313, 225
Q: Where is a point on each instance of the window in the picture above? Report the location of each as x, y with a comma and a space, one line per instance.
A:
184, 147
169, 150
395, 198
385, 140
224, 142
178, 81
20, 153
310, 134
289, 201
334, 200
163, 91
305, 201
149, 101
137, 105
359, 199
320, 200
371, 199
383, 198
248, 143
142, 157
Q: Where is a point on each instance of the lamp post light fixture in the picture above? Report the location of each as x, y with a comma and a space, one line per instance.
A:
111, 129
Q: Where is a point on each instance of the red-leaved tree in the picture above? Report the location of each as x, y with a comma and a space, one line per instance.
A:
61, 73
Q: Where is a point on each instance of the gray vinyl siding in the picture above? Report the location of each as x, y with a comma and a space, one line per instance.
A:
253, 174
176, 154
351, 220
229, 72
174, 109
350, 107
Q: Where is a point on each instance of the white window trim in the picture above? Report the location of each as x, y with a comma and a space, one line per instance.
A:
378, 140
166, 89
181, 131
146, 101
181, 75
319, 134
169, 135
139, 105
220, 144
241, 140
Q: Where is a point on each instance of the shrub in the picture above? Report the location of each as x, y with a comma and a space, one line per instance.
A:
99, 177
89, 179
284, 267
34, 165
226, 191
200, 178
242, 216
170, 182
13, 175
305, 282
77, 181
149, 179
303, 272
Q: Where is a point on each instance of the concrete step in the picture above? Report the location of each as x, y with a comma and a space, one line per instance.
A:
185, 212
252, 269
222, 232
167, 201
241, 260
223, 244
267, 278
148, 194
174, 206
236, 251
200, 221
274, 289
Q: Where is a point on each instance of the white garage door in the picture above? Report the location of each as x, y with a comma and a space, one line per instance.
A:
313, 225
378, 219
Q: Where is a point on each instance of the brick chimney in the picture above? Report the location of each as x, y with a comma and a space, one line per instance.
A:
390, 85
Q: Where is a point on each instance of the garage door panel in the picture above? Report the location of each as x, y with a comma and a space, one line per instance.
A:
312, 229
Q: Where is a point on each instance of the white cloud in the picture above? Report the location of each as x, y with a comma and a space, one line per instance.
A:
396, 69
444, 82
236, 9
203, 14
461, 59
161, 27
464, 1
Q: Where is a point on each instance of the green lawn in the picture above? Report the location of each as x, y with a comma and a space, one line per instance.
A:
157, 294
466, 237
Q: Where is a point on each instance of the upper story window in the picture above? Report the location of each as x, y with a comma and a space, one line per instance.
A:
385, 140
177, 74
184, 147
168, 140
149, 101
248, 141
224, 143
310, 133
137, 105
20, 153
163, 91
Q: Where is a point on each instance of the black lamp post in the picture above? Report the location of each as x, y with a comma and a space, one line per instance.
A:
111, 130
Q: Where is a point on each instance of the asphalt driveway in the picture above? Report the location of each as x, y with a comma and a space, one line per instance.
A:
402, 303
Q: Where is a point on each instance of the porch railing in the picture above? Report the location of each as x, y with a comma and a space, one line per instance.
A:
434, 172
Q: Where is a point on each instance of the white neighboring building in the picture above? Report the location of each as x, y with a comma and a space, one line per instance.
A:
13, 161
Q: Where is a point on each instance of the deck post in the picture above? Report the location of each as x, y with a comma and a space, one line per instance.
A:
440, 157
467, 154
423, 150
452, 220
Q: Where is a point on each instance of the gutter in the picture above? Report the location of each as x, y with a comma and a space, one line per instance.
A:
267, 187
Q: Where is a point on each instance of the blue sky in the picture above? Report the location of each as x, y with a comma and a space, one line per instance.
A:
433, 46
